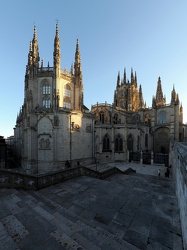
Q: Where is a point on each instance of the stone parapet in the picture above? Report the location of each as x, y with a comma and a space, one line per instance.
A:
9, 179
179, 163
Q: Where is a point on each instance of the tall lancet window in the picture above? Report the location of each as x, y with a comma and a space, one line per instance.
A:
162, 117
46, 102
67, 90
118, 143
106, 143
67, 97
46, 91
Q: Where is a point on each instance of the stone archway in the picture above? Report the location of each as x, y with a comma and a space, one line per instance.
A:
161, 140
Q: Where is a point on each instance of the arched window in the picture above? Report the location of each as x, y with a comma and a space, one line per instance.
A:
162, 117
118, 143
101, 117
46, 102
130, 143
67, 103
115, 119
137, 117
146, 140
67, 97
46, 89
67, 90
106, 143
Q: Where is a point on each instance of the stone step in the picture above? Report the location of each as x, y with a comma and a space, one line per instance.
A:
117, 213
84, 232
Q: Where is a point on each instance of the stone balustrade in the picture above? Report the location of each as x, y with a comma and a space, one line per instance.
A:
10, 179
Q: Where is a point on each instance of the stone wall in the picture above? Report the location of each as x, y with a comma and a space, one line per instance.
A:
179, 163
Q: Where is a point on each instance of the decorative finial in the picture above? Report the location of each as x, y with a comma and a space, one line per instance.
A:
35, 35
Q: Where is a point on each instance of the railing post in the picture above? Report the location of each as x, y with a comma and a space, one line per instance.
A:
141, 157
152, 157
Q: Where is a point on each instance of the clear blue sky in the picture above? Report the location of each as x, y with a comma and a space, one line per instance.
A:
149, 36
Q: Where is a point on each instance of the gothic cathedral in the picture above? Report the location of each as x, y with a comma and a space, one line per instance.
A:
55, 127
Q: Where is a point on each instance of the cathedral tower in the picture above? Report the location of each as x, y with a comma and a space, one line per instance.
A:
47, 125
126, 96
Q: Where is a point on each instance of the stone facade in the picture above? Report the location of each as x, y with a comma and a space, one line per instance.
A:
128, 126
54, 126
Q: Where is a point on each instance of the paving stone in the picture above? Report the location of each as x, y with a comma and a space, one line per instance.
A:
117, 229
65, 241
88, 214
3, 234
162, 235
1, 226
136, 239
30, 243
76, 209
12, 207
4, 210
45, 224
86, 244
123, 219
8, 244
141, 223
43, 213
15, 228
62, 223
37, 231
121, 212
52, 244
156, 246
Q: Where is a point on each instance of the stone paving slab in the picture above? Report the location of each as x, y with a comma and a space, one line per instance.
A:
135, 211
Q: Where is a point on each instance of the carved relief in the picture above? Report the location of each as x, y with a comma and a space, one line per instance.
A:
88, 128
44, 143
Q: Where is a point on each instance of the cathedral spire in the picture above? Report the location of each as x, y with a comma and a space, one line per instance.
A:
141, 100
135, 79
33, 56
132, 76
56, 53
118, 79
174, 96
160, 100
124, 76
77, 64
79, 95
35, 53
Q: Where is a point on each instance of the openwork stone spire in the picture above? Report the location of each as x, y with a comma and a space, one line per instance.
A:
35, 52
77, 64
56, 53
160, 100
